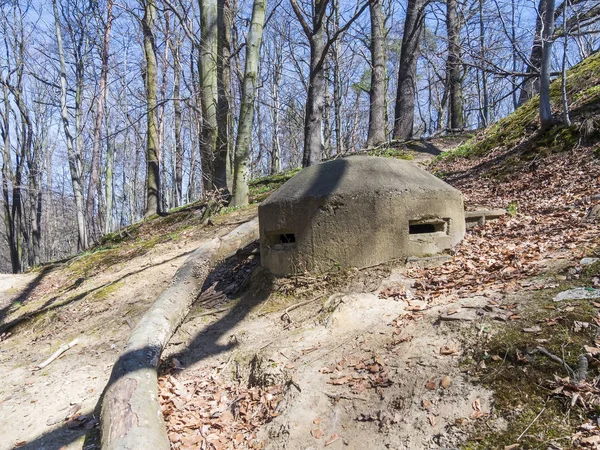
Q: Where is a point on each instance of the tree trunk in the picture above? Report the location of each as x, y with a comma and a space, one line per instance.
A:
315, 97
548, 30
75, 165
108, 187
565, 100
404, 114
221, 172
177, 113
150, 80
12, 214
208, 89
100, 102
277, 67
485, 106
249, 87
453, 67
337, 88
376, 134
531, 83
131, 416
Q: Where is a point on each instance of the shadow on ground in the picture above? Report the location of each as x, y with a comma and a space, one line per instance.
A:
207, 342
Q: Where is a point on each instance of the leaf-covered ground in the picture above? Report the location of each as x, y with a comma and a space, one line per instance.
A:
498, 285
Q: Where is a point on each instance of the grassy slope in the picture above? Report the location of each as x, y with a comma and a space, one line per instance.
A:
520, 129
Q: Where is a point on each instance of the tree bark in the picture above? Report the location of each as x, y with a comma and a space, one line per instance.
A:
221, 158
131, 415
277, 68
404, 113
531, 83
453, 66
209, 89
249, 87
376, 134
485, 104
547, 38
150, 80
315, 97
177, 123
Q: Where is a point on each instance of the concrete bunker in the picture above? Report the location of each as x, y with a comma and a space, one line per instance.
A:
355, 212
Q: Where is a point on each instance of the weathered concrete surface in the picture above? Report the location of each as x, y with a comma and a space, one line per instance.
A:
355, 212
480, 217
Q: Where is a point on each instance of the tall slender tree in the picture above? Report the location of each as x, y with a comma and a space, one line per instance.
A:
376, 134
546, 118
249, 88
150, 82
319, 48
404, 112
454, 67
75, 162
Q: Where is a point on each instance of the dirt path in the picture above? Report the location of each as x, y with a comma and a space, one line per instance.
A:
12, 287
53, 408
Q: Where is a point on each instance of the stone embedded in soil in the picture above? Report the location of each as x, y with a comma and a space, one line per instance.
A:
446, 382
579, 293
588, 261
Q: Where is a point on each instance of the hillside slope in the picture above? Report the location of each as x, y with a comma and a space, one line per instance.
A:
518, 137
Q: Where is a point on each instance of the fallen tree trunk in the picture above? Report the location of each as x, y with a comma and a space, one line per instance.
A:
131, 417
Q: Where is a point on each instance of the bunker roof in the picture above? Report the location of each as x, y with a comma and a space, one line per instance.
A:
356, 175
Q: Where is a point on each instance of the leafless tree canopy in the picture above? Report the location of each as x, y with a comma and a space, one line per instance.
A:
112, 111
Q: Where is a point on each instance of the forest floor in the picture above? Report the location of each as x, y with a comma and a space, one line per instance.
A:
391, 356
96, 298
462, 354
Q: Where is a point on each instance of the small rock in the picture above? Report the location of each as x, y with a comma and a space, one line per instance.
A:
430, 385
588, 261
580, 293
446, 382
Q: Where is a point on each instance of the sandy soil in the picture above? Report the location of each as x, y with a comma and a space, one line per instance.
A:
317, 348
35, 405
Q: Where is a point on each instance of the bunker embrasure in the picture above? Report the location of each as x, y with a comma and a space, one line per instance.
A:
355, 212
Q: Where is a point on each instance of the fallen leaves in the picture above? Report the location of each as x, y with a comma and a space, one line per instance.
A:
500, 255
370, 373
446, 350
205, 411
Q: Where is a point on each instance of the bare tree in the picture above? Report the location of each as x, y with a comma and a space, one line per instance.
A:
100, 103
546, 118
454, 67
250, 85
376, 134
319, 48
75, 163
407, 71
152, 138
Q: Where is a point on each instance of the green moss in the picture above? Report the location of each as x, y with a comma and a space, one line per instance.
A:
519, 128
392, 153
105, 292
517, 376
261, 188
